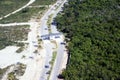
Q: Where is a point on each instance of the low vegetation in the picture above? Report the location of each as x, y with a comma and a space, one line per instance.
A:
93, 27
17, 72
24, 15
43, 2
8, 6
11, 76
53, 57
52, 63
49, 22
20, 49
12, 34
3, 71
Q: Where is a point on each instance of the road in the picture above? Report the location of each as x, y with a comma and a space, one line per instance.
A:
47, 43
44, 19
60, 50
58, 62
48, 56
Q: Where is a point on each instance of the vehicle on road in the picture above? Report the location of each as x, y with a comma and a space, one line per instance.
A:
31, 57
57, 36
53, 23
48, 72
35, 45
63, 43
46, 29
46, 66
46, 38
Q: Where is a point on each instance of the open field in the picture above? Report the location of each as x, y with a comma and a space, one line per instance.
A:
7, 6
43, 2
9, 35
24, 15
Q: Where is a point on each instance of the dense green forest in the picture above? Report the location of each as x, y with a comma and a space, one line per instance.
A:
93, 27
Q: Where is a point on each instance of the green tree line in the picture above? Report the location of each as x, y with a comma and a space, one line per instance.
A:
93, 27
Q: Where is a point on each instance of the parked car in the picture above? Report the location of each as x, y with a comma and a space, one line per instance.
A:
48, 72
35, 45
46, 38
46, 66
57, 36
46, 29
63, 43
31, 57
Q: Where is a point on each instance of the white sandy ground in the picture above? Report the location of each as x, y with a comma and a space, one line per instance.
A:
33, 68
8, 56
15, 24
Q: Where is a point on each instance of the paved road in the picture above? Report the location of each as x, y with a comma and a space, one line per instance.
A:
44, 27
47, 44
44, 31
48, 57
58, 61
44, 19
60, 51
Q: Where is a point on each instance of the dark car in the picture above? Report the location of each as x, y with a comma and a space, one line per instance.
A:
54, 23
48, 72
46, 66
57, 36
62, 43
46, 38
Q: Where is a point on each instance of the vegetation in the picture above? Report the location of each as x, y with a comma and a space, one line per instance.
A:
51, 62
11, 76
17, 72
10, 35
49, 22
2, 71
93, 27
19, 69
8, 6
20, 49
53, 57
43, 2
24, 15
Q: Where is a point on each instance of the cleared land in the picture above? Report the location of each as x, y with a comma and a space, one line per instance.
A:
7, 6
